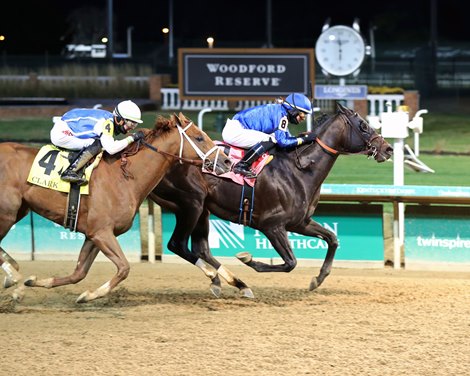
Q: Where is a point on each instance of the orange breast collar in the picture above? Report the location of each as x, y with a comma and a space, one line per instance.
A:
326, 147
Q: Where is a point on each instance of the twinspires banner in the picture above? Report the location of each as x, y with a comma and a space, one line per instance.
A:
42, 239
437, 238
359, 229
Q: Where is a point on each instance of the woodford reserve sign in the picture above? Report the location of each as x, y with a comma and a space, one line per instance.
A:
227, 73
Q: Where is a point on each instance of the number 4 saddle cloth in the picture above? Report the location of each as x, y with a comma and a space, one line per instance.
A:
49, 164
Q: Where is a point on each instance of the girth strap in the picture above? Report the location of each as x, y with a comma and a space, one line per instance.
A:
247, 202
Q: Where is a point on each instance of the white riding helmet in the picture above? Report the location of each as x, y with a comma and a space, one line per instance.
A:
128, 110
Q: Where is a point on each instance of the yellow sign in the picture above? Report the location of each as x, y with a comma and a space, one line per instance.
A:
49, 164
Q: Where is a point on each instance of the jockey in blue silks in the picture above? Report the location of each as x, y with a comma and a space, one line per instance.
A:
262, 127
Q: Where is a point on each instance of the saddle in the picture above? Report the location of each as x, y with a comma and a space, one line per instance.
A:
236, 154
247, 196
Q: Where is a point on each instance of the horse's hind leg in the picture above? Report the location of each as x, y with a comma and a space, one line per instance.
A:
105, 241
86, 257
280, 242
313, 228
200, 247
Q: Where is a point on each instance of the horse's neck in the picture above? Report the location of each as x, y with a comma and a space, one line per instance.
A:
148, 167
313, 163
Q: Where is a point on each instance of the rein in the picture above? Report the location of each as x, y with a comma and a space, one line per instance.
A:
368, 149
368, 142
180, 158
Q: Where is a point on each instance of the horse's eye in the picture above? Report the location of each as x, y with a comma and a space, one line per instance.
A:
199, 138
363, 126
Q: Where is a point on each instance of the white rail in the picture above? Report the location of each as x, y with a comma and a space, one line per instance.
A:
171, 101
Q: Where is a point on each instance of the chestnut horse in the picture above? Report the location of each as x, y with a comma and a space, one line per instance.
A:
119, 185
286, 195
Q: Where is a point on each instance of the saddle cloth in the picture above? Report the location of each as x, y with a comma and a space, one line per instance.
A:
236, 154
49, 164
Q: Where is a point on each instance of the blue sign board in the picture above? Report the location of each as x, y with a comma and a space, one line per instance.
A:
409, 191
340, 92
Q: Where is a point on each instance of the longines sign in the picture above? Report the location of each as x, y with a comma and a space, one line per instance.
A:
240, 73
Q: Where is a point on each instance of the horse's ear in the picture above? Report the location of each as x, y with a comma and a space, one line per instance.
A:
182, 117
176, 119
340, 108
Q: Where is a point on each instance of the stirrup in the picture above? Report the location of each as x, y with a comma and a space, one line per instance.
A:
247, 172
73, 177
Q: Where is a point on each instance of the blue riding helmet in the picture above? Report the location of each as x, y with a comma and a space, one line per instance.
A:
299, 102
295, 103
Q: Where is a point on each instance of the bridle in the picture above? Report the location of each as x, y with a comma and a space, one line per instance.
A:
368, 147
204, 161
207, 164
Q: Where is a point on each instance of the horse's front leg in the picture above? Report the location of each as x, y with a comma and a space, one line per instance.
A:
200, 247
278, 238
86, 257
105, 241
186, 221
10, 267
313, 228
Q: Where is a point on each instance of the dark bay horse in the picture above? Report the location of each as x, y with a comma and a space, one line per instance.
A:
119, 185
286, 195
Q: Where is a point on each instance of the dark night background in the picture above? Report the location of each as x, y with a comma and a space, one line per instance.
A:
37, 27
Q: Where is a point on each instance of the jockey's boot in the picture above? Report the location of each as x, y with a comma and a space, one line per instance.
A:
244, 166
74, 173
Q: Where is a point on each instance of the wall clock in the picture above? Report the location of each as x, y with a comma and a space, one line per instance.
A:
340, 50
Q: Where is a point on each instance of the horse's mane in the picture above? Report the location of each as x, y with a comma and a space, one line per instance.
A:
321, 121
162, 129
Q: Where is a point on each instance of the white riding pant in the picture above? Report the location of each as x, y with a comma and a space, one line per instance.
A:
234, 134
61, 136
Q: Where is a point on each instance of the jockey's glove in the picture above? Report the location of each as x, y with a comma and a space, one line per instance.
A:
309, 137
139, 135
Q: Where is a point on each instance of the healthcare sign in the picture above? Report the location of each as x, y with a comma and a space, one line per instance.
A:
360, 236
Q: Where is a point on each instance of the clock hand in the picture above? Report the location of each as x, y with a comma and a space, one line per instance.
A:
339, 41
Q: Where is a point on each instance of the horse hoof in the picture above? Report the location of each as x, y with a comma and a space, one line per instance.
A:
313, 284
84, 297
244, 257
18, 294
216, 290
31, 281
8, 282
247, 293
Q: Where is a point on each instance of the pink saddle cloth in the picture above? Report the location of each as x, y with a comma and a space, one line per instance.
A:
236, 154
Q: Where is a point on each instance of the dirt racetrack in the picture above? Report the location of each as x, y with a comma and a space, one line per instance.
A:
163, 320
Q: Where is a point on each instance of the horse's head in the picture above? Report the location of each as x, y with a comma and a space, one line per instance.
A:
195, 143
361, 137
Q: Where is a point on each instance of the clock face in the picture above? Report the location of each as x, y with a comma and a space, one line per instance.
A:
340, 50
